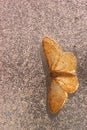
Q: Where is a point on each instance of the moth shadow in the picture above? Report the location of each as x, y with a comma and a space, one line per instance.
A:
71, 95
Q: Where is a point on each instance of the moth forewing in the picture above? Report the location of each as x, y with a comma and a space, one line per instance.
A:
52, 52
56, 97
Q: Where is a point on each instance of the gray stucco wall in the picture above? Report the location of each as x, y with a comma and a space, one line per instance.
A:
23, 23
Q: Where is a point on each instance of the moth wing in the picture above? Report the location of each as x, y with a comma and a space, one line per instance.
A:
67, 63
68, 83
56, 97
52, 52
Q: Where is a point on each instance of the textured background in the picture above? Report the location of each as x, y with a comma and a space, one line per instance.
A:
23, 23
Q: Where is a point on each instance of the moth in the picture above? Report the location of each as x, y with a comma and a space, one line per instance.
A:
62, 70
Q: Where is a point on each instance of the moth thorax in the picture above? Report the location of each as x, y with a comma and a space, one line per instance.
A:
53, 74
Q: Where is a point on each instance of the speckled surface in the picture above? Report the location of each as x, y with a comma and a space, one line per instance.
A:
23, 96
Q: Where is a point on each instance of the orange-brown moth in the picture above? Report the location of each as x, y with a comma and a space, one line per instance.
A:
62, 68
